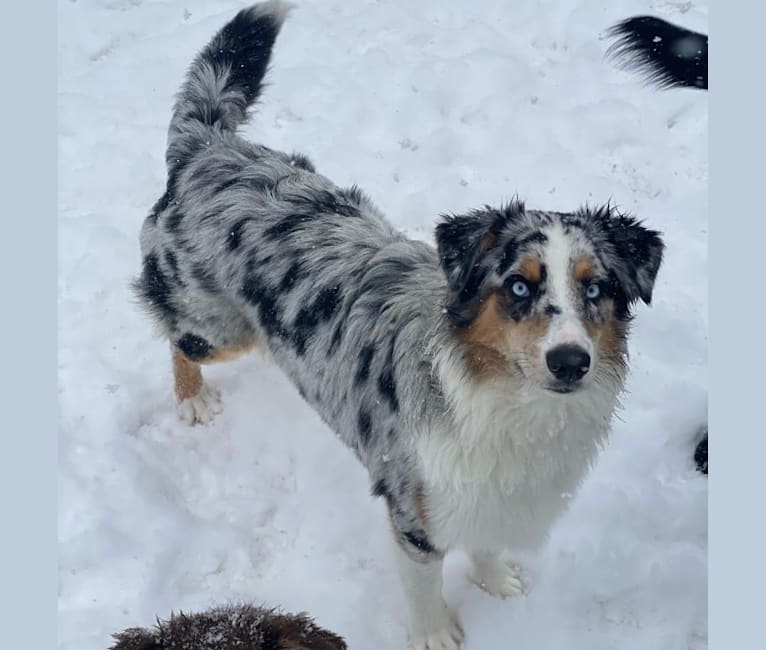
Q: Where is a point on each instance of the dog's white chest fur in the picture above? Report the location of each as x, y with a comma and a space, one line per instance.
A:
509, 468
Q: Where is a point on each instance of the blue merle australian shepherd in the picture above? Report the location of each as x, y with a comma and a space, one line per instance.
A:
474, 380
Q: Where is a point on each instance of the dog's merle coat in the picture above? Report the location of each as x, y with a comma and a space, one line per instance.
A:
248, 243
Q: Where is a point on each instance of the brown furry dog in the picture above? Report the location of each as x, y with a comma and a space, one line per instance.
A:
244, 627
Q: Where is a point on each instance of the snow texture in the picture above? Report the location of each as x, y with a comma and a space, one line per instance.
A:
430, 106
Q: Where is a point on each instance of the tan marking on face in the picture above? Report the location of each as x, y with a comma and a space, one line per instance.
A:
187, 376
493, 340
584, 269
609, 338
612, 337
531, 269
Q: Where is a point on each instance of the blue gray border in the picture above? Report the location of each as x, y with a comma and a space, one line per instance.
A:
737, 236
28, 327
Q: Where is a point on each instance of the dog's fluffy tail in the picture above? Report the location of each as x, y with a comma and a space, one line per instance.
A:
224, 81
669, 56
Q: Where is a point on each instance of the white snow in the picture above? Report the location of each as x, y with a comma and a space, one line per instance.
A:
430, 106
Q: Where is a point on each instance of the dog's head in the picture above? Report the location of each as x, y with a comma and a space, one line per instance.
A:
546, 296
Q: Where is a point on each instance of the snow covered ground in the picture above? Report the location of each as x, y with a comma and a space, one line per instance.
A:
430, 106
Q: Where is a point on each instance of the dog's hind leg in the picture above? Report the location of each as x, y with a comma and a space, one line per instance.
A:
197, 401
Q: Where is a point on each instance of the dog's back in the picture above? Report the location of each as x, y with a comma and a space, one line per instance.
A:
249, 245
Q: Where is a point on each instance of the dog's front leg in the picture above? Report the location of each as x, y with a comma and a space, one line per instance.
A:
431, 625
496, 575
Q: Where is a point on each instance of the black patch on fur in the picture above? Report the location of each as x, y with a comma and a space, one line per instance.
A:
172, 261
256, 292
508, 257
296, 272
173, 220
619, 297
364, 423
552, 310
326, 302
667, 55
387, 387
194, 347
534, 238
234, 238
386, 380
309, 318
337, 337
289, 225
363, 369
380, 489
324, 202
419, 540
205, 278
155, 289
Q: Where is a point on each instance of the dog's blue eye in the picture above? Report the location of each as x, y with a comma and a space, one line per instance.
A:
520, 289
592, 292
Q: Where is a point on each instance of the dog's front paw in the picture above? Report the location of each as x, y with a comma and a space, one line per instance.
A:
201, 408
448, 637
498, 577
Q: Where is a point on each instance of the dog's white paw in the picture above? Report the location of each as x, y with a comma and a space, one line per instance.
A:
498, 577
201, 408
448, 637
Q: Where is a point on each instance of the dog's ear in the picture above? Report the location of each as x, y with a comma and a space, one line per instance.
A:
462, 240
635, 252
136, 638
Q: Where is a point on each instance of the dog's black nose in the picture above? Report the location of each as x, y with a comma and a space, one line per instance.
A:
568, 363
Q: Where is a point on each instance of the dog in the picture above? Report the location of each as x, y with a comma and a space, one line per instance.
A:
671, 57
233, 626
475, 380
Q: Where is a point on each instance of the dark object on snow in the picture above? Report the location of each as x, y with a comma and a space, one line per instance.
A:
700, 453
240, 627
669, 56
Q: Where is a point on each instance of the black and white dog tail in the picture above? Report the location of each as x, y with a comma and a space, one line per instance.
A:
223, 82
669, 56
